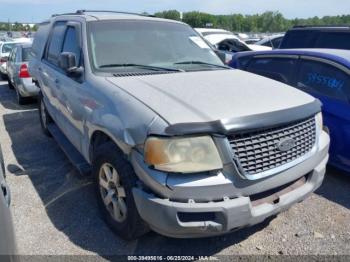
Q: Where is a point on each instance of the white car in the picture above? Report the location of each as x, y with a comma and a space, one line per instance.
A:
212, 31
271, 41
5, 50
231, 44
217, 36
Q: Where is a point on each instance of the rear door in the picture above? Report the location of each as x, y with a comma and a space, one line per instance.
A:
330, 83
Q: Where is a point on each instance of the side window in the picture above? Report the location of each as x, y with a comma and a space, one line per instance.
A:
279, 69
13, 55
327, 80
55, 44
16, 54
336, 40
10, 56
71, 43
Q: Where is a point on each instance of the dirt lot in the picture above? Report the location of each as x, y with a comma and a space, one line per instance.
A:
55, 212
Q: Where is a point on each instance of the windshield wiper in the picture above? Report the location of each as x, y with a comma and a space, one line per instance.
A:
200, 63
142, 66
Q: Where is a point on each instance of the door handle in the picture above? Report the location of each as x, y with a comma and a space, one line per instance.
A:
6, 192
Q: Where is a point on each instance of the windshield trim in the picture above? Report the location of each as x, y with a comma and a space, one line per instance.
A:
89, 44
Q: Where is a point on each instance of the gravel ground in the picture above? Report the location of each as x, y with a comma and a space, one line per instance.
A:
55, 213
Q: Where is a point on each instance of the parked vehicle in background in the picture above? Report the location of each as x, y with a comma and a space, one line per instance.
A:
7, 237
226, 43
323, 73
212, 31
5, 50
334, 37
176, 141
273, 41
18, 74
220, 37
252, 41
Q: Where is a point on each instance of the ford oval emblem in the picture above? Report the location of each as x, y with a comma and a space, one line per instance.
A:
286, 144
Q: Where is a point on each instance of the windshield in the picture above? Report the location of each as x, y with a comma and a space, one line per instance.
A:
7, 48
116, 45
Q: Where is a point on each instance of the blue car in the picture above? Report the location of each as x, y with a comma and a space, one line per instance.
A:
323, 73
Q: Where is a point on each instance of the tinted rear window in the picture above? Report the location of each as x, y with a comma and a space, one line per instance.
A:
336, 40
26, 53
317, 39
298, 39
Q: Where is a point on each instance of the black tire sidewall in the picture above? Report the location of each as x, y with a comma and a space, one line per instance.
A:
133, 226
48, 119
9, 83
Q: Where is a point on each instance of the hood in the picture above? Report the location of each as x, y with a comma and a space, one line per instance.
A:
259, 48
195, 97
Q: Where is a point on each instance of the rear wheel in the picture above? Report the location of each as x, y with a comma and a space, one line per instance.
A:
45, 118
114, 180
20, 99
10, 83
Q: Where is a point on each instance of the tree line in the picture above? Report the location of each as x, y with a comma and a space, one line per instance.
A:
266, 22
16, 27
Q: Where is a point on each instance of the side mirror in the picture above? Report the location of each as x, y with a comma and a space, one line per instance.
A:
68, 62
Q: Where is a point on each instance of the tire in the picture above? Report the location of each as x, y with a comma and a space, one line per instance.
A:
10, 83
3, 76
20, 99
45, 118
127, 224
2, 163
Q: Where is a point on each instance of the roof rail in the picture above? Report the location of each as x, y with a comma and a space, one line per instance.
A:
81, 12
54, 15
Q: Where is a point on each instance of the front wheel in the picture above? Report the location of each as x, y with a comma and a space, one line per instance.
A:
114, 180
45, 118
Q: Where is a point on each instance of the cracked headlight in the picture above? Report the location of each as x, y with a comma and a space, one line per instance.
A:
182, 155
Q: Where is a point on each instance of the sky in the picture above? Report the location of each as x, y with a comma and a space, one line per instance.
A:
33, 11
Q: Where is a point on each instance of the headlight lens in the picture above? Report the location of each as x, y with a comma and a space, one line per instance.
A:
319, 121
182, 155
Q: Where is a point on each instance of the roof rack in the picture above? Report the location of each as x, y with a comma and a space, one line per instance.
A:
316, 26
82, 12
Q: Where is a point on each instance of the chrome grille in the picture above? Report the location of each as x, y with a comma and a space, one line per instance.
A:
257, 152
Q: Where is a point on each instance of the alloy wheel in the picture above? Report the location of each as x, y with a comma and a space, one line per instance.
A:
112, 192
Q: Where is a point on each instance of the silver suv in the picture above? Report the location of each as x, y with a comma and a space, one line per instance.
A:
176, 141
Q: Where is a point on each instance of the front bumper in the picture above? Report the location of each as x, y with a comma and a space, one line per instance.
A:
187, 219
